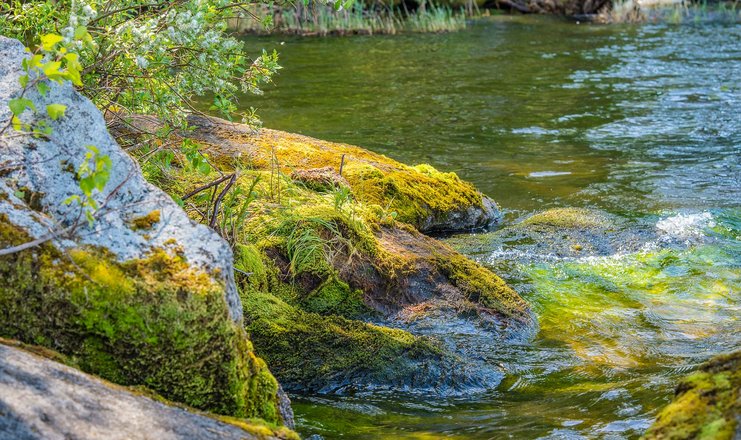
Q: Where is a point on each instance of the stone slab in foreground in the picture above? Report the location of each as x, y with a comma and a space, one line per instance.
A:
43, 399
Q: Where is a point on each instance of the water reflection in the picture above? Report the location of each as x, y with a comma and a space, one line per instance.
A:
642, 122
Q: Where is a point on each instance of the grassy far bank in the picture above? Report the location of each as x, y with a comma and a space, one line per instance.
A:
357, 18
379, 19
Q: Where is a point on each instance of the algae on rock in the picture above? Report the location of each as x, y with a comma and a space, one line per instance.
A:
706, 405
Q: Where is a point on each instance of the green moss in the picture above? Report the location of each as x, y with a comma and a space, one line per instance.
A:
416, 194
310, 351
251, 270
706, 404
154, 321
146, 221
336, 297
482, 286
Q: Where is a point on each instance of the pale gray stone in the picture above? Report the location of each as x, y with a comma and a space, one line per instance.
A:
43, 166
44, 400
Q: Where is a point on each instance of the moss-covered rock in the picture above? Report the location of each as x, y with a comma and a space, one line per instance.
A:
41, 398
154, 321
317, 263
312, 352
570, 232
121, 280
420, 195
706, 404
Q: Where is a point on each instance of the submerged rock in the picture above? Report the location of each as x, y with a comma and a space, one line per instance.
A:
141, 296
571, 232
45, 400
706, 404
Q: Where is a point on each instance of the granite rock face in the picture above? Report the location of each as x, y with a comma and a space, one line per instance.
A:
141, 296
40, 169
43, 399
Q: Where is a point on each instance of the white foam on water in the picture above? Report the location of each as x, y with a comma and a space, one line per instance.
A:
548, 173
685, 227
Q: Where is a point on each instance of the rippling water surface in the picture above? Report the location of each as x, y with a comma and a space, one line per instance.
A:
643, 122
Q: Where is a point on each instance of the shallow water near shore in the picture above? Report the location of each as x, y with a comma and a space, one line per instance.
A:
641, 122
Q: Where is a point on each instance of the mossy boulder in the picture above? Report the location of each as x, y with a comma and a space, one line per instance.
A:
332, 354
319, 263
706, 404
421, 196
141, 295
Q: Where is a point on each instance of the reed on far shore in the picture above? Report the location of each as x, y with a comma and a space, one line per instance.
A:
359, 18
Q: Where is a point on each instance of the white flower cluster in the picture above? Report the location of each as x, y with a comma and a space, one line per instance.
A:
81, 12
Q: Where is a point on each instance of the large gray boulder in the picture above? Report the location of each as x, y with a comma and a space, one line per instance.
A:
143, 296
44, 400
40, 169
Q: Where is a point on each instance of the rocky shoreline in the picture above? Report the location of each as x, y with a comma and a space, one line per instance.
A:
328, 282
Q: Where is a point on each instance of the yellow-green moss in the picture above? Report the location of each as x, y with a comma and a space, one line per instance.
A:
146, 221
482, 286
706, 405
154, 321
414, 193
310, 351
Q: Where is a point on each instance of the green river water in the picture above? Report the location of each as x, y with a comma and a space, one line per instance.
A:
640, 121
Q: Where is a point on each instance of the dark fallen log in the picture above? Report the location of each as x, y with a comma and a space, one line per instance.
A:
507, 4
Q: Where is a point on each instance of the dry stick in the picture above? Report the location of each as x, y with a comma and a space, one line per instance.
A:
342, 164
206, 186
218, 199
37, 242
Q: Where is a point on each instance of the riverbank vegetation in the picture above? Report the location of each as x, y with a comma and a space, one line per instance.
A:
355, 18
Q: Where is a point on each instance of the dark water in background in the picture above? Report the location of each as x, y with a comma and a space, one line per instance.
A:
641, 121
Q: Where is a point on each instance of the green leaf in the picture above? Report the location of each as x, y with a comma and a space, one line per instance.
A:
43, 88
70, 199
51, 70
100, 180
87, 185
19, 105
204, 168
23, 80
80, 32
17, 124
48, 41
55, 111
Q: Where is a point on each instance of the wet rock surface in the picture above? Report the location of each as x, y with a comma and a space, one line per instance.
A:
706, 404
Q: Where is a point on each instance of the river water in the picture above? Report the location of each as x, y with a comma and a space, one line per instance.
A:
640, 121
